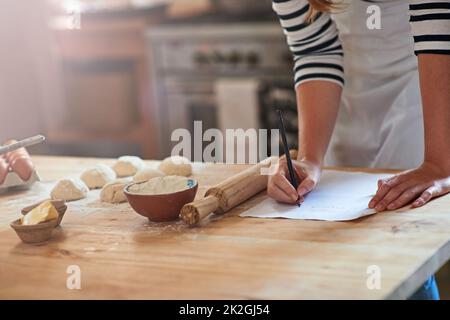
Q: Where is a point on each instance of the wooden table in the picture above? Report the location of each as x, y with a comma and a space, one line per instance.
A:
123, 256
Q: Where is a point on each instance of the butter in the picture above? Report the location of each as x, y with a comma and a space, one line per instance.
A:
46, 211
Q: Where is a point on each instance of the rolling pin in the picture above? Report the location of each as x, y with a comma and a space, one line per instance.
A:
228, 194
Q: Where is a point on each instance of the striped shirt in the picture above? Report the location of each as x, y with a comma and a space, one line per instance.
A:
318, 52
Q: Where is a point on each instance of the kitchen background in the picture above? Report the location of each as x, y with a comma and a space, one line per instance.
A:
103, 78
112, 77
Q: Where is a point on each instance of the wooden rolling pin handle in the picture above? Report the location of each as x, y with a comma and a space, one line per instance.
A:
192, 213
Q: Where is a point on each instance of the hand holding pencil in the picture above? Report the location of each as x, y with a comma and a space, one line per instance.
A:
307, 175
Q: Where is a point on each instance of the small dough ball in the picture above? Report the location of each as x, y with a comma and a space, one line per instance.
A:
176, 166
127, 166
113, 192
147, 174
69, 190
97, 177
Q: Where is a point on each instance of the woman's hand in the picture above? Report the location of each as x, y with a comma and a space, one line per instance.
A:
280, 187
417, 186
318, 104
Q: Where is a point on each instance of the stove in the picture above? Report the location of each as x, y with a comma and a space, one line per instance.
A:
192, 65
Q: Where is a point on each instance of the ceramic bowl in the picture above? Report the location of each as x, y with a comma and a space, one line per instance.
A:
161, 207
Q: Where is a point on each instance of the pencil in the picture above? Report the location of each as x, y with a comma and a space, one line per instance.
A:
286, 152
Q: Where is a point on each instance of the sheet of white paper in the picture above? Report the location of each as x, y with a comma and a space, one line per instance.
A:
340, 196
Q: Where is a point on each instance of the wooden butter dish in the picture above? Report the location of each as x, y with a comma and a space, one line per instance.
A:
34, 233
42, 231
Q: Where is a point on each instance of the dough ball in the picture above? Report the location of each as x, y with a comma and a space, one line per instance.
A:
69, 190
112, 192
97, 177
147, 174
127, 166
176, 166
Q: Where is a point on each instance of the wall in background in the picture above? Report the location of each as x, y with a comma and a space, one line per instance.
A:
28, 76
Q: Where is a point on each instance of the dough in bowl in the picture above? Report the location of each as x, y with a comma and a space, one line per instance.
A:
97, 177
147, 174
176, 166
69, 190
127, 166
113, 192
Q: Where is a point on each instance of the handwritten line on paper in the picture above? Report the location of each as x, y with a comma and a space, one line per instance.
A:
340, 196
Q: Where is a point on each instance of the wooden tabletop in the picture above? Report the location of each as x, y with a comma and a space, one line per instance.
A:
123, 256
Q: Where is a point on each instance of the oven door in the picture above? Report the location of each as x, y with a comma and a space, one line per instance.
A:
188, 101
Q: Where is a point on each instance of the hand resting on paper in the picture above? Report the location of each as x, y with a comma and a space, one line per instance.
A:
418, 186
280, 188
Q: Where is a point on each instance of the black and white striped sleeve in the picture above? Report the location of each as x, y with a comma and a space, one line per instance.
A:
430, 25
315, 45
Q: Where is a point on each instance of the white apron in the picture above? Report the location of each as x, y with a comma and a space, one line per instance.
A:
380, 118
